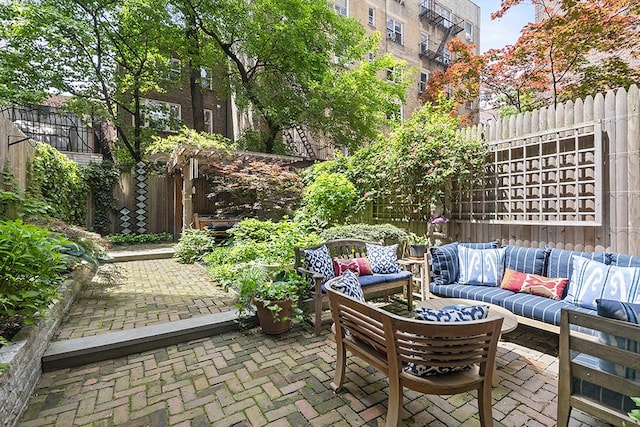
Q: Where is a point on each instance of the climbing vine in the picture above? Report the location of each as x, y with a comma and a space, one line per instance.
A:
101, 178
60, 182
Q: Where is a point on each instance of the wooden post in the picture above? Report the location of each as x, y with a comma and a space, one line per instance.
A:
187, 199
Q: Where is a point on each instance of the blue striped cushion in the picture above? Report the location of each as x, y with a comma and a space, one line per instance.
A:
592, 280
623, 260
444, 260
621, 311
483, 267
560, 263
526, 260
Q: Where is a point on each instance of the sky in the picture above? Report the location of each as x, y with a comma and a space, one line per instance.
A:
501, 32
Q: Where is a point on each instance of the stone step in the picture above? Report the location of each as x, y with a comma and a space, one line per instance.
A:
80, 351
123, 256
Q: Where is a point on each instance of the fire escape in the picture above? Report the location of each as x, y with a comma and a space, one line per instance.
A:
432, 13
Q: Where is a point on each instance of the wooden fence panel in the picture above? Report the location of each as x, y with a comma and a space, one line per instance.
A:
618, 112
16, 150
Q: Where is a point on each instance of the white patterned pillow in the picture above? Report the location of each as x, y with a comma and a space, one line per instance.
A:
319, 261
480, 266
349, 285
592, 280
383, 259
476, 312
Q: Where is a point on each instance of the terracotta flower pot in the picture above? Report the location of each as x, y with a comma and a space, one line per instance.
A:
271, 322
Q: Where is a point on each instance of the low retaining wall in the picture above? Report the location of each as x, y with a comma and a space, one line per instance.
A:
25, 352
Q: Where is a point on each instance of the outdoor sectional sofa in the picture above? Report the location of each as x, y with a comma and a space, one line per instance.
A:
593, 282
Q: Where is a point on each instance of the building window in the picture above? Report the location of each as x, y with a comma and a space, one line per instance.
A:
208, 121
422, 84
394, 30
446, 14
424, 43
206, 78
394, 75
340, 6
160, 115
175, 69
372, 16
468, 31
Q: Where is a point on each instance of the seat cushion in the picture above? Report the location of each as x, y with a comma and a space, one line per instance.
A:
374, 279
447, 315
623, 260
526, 260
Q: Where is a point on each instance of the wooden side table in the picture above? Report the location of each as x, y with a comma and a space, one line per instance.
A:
418, 267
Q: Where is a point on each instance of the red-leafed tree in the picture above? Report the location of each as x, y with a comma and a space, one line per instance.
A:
571, 43
460, 81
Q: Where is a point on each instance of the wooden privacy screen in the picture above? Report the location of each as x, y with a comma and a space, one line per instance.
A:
549, 178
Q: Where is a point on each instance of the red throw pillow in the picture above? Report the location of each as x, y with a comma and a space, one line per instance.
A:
357, 265
533, 284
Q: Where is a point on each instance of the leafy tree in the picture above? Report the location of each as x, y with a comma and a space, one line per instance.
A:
296, 62
107, 54
575, 38
462, 79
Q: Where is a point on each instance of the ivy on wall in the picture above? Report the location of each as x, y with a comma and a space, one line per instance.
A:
60, 182
101, 179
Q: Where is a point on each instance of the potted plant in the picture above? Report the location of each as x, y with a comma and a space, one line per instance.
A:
274, 294
417, 245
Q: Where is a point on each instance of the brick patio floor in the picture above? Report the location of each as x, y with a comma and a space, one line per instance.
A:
250, 379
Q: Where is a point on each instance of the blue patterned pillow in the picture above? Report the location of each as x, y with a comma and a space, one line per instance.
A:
477, 312
444, 260
626, 312
349, 285
483, 267
592, 280
319, 261
383, 259
444, 264
526, 260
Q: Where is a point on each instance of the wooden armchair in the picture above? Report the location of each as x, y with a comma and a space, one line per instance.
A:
349, 248
582, 383
389, 342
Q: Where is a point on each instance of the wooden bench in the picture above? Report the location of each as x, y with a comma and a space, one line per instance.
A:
579, 354
389, 342
216, 226
346, 248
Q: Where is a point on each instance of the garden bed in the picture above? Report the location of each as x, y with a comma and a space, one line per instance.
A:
22, 358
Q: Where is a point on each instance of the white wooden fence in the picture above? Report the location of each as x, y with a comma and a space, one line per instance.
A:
597, 202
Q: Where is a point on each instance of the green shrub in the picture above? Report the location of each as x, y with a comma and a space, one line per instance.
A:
130, 239
331, 197
194, 245
101, 178
386, 233
31, 268
253, 241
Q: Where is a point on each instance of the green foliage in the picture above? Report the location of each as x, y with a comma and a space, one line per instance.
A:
417, 239
193, 246
101, 179
14, 204
635, 413
30, 270
267, 287
200, 140
386, 233
130, 239
255, 241
331, 197
59, 182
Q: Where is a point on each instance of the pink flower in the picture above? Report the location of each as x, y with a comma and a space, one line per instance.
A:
438, 220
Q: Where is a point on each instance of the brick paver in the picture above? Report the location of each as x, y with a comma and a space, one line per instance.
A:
251, 379
144, 293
